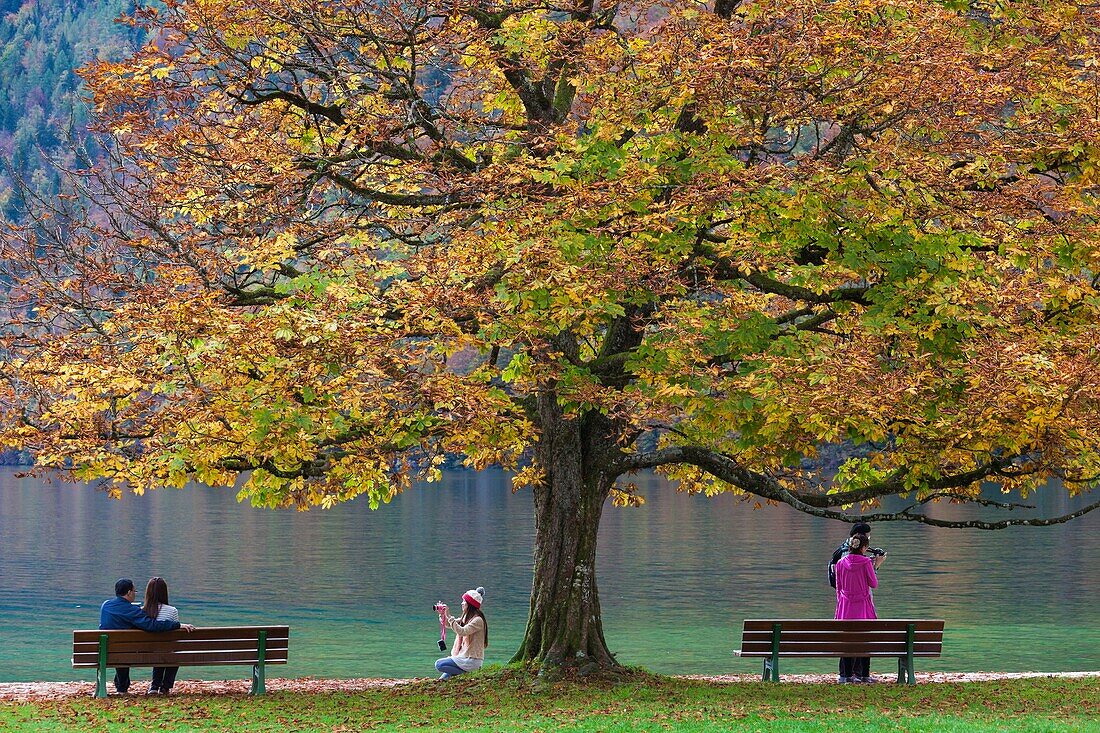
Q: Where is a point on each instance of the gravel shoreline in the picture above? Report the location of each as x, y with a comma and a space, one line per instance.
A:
45, 691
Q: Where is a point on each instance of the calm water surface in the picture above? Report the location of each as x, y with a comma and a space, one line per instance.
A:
676, 576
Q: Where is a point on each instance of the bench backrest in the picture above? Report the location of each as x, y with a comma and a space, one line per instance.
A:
203, 646
831, 638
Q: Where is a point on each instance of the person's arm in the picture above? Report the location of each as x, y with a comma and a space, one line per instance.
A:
872, 578
471, 628
139, 620
174, 615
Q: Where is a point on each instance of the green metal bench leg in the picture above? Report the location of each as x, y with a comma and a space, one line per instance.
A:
773, 663
101, 669
910, 633
258, 687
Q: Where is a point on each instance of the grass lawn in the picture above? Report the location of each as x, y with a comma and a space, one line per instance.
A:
506, 702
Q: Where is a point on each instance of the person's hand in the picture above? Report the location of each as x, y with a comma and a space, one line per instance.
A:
443, 611
879, 560
187, 627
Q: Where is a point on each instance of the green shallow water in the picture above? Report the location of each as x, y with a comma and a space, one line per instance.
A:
676, 576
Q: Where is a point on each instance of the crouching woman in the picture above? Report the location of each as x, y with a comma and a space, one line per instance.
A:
471, 636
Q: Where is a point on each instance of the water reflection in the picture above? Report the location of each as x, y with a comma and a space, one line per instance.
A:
676, 576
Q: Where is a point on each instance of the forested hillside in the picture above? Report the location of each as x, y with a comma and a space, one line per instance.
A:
42, 42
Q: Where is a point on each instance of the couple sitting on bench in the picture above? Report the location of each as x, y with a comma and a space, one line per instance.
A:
156, 615
122, 641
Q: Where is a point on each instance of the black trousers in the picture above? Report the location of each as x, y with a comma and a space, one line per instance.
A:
164, 678
855, 666
122, 679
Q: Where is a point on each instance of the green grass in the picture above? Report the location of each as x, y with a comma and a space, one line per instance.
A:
508, 702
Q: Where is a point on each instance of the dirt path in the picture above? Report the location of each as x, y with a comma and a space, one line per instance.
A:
31, 691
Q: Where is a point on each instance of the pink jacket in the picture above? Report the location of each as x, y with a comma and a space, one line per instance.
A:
855, 577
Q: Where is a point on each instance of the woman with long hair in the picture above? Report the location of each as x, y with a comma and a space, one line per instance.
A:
855, 577
471, 636
156, 607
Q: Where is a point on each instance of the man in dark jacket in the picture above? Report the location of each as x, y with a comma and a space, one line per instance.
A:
121, 613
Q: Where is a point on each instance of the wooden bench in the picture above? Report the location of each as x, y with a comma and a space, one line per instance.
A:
901, 638
214, 645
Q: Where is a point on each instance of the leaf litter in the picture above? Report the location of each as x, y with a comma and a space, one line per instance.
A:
47, 691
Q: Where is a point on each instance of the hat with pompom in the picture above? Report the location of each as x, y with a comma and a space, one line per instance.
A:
474, 597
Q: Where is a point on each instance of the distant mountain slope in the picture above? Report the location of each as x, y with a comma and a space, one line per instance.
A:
42, 42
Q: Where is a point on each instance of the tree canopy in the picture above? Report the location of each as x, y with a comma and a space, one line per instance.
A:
340, 241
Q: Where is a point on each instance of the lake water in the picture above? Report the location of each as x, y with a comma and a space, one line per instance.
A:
676, 576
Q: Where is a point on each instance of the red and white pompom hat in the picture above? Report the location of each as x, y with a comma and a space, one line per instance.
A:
474, 597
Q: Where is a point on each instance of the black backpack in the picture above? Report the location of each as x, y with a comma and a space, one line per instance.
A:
837, 555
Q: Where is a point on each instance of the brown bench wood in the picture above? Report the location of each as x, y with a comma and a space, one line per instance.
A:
901, 638
212, 645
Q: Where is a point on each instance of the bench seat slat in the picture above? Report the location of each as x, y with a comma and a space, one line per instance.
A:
153, 659
182, 659
759, 637
840, 648
203, 633
170, 645
853, 625
831, 655
120, 657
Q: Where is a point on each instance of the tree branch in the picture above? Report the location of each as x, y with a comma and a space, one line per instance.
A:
1009, 505
330, 112
729, 470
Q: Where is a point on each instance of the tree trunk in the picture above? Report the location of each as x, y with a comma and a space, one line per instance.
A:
564, 626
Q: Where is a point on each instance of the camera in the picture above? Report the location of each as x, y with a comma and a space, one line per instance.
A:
876, 551
439, 607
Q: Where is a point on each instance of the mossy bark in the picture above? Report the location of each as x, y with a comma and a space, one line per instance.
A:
564, 625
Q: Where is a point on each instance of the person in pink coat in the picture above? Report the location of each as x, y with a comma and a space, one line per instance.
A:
855, 577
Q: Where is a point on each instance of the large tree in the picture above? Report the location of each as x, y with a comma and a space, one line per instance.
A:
339, 241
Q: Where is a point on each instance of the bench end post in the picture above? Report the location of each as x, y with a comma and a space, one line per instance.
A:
776, 629
101, 669
910, 633
258, 686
